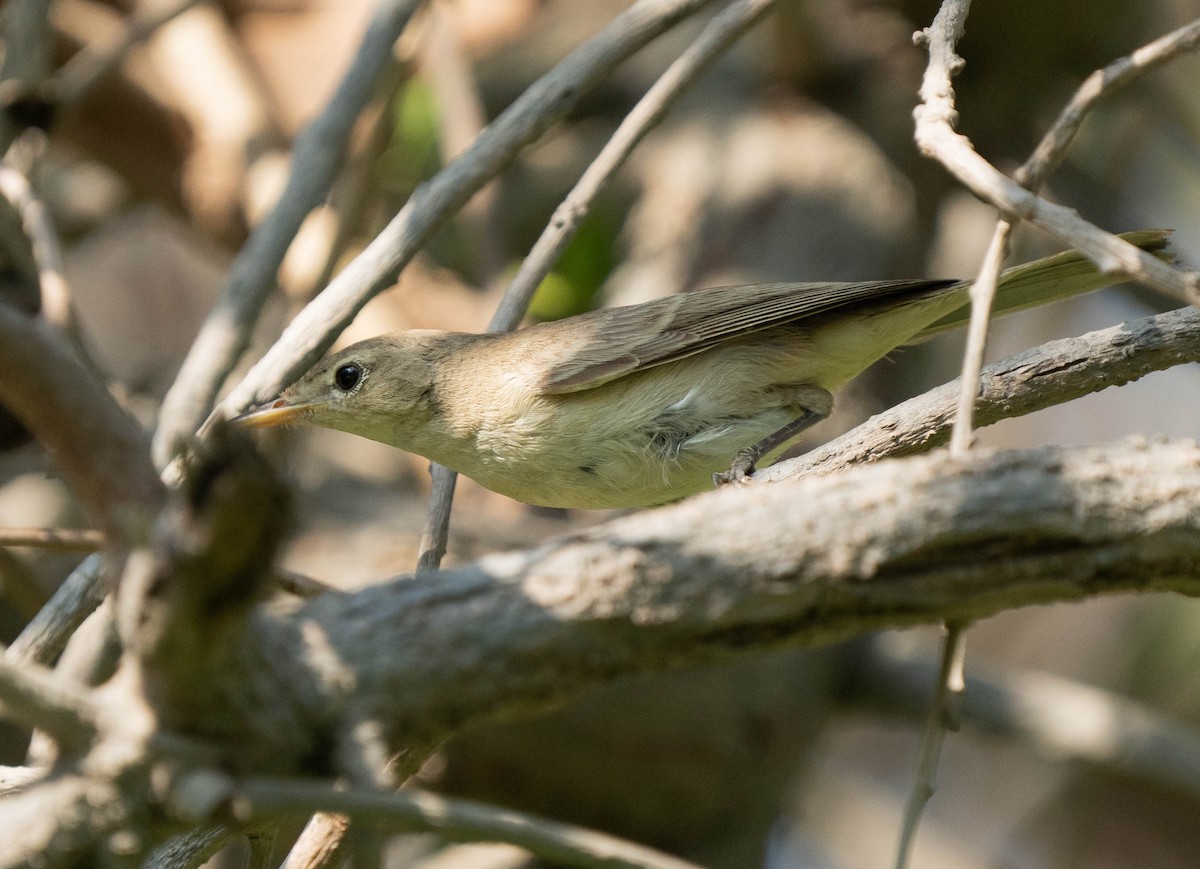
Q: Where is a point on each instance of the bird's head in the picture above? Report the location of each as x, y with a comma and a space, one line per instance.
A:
377, 388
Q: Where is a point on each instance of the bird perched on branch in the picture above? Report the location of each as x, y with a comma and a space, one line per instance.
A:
643, 404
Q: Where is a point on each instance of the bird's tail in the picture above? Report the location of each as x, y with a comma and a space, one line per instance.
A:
1046, 280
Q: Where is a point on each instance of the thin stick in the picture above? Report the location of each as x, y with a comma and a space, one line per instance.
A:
983, 291
53, 539
47, 252
942, 716
717, 36
462, 820
936, 137
1062, 719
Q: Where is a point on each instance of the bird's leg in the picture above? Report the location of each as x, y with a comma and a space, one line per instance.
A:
817, 404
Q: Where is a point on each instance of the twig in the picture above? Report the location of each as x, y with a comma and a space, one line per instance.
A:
435, 535
53, 539
1100, 84
322, 843
936, 137
32, 697
1033, 174
88, 67
716, 37
546, 101
462, 820
316, 157
47, 252
942, 716
983, 291
44, 638
352, 200
1044, 376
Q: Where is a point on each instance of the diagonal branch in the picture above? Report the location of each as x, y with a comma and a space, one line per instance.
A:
459, 820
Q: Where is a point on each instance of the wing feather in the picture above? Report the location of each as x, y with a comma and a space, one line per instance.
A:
634, 338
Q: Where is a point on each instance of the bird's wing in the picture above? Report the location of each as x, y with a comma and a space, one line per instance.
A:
634, 338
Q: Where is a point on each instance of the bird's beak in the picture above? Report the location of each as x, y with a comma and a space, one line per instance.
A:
278, 412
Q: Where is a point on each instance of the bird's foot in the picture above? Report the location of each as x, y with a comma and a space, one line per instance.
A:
740, 471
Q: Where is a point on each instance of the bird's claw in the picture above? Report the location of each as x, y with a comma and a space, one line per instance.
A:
739, 472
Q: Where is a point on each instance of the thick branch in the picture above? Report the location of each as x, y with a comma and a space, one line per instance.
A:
803, 562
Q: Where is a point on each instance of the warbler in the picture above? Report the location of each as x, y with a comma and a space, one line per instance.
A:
643, 404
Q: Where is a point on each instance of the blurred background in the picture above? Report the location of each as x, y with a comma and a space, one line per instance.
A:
791, 160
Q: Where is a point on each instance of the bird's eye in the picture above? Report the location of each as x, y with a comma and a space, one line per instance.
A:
348, 376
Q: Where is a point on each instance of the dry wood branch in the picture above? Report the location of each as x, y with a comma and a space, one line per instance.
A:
316, 157
1100, 84
811, 561
947, 696
546, 101
47, 252
460, 820
1042, 377
98, 447
935, 134
53, 539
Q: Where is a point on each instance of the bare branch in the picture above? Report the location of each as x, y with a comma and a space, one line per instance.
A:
935, 134
460, 820
948, 695
47, 252
1100, 84
53, 539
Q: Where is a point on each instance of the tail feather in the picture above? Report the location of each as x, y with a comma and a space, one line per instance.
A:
1046, 280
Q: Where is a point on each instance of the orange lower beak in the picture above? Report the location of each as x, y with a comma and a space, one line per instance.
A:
278, 412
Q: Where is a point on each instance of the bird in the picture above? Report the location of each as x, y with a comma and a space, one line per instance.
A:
644, 404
